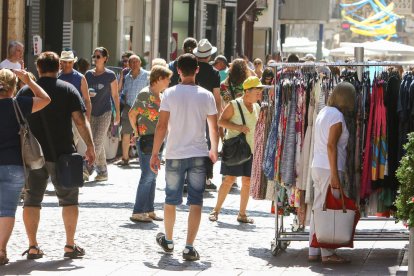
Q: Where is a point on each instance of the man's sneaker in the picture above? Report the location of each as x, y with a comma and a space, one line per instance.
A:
101, 177
210, 187
190, 254
167, 247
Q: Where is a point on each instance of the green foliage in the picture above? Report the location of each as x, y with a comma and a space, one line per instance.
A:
405, 174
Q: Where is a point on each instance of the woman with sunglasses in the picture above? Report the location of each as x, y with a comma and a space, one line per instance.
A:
258, 67
103, 85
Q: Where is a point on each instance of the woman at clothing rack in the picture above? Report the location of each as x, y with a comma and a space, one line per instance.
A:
232, 87
11, 163
328, 165
231, 119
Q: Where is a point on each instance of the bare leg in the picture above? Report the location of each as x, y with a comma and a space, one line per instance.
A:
224, 189
194, 219
70, 218
6, 228
169, 220
244, 194
126, 140
31, 217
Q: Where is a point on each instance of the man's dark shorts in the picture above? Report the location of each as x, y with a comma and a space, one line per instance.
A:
37, 184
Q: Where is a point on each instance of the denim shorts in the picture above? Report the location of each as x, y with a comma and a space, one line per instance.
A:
11, 184
175, 175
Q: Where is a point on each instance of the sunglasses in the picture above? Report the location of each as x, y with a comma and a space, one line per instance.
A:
96, 56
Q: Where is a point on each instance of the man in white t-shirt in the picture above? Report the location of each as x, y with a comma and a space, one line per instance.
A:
183, 112
14, 58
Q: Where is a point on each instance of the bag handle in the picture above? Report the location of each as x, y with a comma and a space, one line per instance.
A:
241, 112
341, 191
21, 120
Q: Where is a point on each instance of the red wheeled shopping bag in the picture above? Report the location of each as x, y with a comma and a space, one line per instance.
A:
342, 208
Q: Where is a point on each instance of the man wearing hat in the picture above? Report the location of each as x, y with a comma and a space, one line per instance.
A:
208, 78
69, 74
67, 60
220, 64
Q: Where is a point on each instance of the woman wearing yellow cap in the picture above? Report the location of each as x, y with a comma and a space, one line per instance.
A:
231, 120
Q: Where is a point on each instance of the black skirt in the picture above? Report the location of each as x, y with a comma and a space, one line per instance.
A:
244, 169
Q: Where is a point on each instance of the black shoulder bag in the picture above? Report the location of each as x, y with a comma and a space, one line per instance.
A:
68, 167
236, 150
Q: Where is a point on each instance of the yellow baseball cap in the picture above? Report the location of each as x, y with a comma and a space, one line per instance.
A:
252, 82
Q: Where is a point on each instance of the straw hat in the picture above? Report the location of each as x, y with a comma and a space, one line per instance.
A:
204, 49
68, 56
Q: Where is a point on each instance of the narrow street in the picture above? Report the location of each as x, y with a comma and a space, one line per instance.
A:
116, 246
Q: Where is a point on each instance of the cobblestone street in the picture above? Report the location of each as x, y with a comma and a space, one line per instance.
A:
116, 246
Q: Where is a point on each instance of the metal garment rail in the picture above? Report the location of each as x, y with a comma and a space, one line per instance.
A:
282, 237
348, 64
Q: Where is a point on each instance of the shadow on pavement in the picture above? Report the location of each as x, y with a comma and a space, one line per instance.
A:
29, 266
171, 263
140, 225
239, 226
378, 261
90, 184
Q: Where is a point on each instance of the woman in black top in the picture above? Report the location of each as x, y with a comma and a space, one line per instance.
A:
11, 163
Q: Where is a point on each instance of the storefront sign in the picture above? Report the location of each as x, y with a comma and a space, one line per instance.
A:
37, 45
174, 48
403, 7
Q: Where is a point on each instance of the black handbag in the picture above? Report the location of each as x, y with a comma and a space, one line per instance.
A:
68, 167
236, 150
146, 143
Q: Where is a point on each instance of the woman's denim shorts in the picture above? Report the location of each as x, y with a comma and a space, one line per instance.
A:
11, 184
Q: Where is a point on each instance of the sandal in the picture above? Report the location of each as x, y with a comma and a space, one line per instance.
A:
213, 216
244, 219
33, 256
77, 252
3, 259
335, 259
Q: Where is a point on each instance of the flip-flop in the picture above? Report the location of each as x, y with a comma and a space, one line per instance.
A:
213, 216
335, 259
244, 219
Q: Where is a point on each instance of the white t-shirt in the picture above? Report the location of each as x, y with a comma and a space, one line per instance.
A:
7, 64
327, 117
189, 106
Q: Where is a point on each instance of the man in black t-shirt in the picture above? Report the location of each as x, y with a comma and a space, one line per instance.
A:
208, 78
53, 128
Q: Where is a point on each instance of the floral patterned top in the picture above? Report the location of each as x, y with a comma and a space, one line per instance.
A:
147, 105
229, 92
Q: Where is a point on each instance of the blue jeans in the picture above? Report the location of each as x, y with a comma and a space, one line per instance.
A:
175, 172
11, 184
144, 200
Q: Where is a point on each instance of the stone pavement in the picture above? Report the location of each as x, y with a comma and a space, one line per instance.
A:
116, 246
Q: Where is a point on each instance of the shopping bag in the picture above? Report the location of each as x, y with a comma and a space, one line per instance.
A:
335, 223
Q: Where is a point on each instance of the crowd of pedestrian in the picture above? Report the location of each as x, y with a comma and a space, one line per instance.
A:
180, 110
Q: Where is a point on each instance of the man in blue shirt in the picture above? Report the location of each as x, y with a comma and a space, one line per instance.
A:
134, 82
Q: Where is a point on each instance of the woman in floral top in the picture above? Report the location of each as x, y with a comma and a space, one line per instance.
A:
144, 117
232, 87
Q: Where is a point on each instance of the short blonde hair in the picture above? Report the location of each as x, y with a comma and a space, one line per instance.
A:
343, 97
8, 81
159, 72
159, 61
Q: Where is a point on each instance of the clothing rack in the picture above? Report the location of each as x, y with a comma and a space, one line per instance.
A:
283, 237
